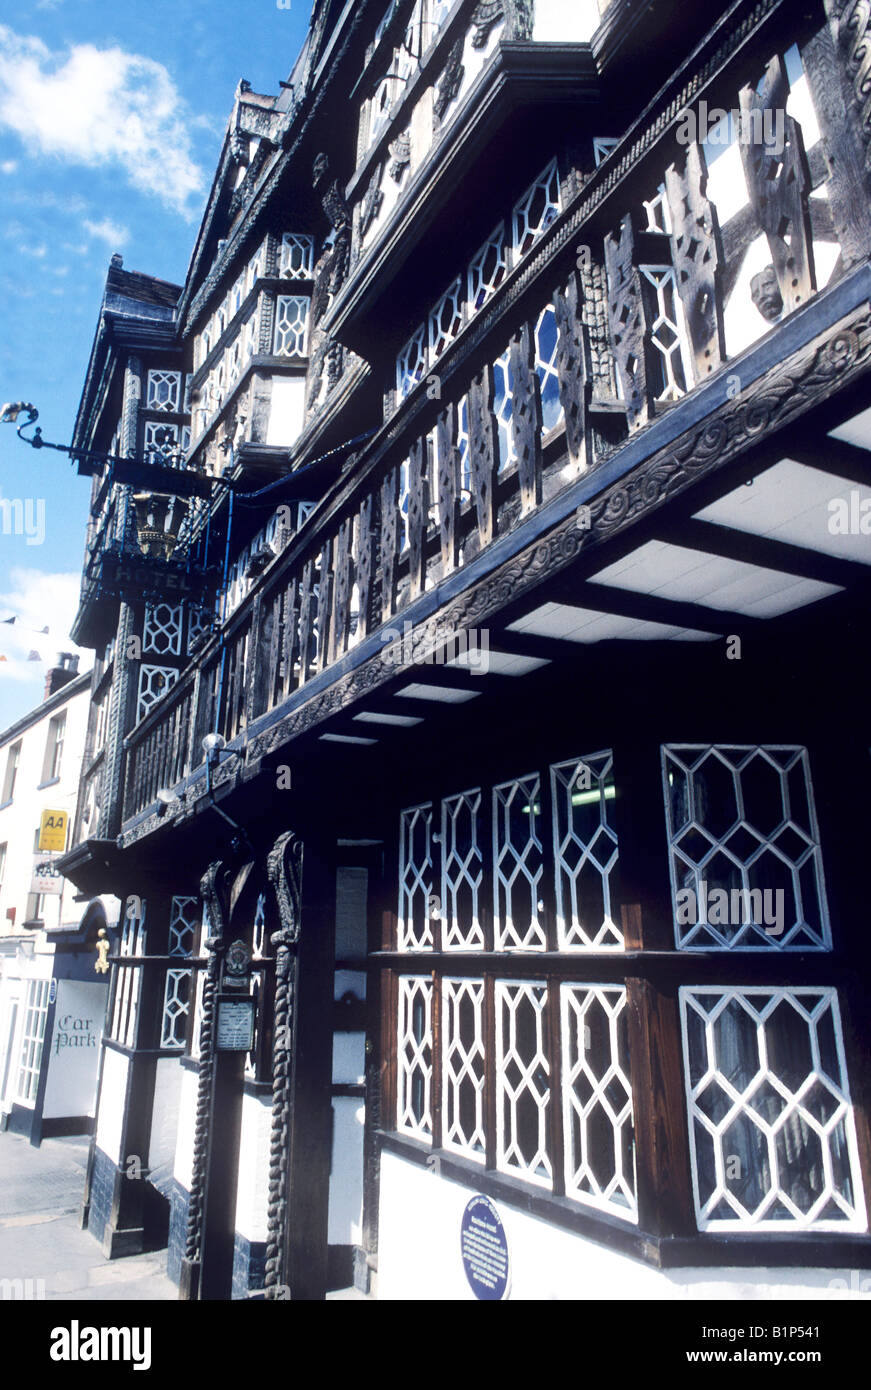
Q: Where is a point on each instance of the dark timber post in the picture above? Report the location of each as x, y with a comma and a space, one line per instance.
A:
299, 1168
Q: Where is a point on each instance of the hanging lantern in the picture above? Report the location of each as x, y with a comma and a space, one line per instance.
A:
159, 520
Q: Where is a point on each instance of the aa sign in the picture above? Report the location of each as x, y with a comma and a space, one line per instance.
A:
53, 831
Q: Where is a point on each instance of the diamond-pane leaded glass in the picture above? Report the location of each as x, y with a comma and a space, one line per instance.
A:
414, 1057
297, 254
463, 1067
503, 409
537, 209
446, 320
291, 321
183, 922
746, 868
546, 345
597, 1098
161, 632
163, 390
666, 332
522, 1080
517, 865
585, 853
488, 269
462, 872
415, 879
154, 681
772, 1131
411, 363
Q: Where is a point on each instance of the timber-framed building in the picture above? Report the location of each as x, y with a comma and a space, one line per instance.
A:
483, 664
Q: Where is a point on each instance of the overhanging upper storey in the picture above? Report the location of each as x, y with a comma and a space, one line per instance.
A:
465, 101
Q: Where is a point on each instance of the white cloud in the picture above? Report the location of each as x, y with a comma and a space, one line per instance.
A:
111, 232
38, 600
9, 166
100, 107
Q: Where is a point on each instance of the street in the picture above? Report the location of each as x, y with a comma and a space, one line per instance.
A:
41, 1242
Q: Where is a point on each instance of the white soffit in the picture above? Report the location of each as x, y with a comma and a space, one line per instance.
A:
345, 738
448, 696
693, 576
573, 624
483, 662
404, 721
855, 431
790, 502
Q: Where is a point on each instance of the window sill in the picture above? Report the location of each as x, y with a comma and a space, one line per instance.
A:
735, 1250
4, 804
52, 782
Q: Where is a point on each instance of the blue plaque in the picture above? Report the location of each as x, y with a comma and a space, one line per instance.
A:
484, 1248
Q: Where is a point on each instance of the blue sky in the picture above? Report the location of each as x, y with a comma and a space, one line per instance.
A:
111, 121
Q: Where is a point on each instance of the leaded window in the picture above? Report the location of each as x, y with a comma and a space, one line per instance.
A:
291, 325
546, 350
666, 332
416, 880
411, 363
414, 1051
163, 391
463, 1067
446, 320
403, 504
503, 409
161, 633
522, 1080
518, 865
527, 1068
772, 1130
745, 860
297, 256
536, 210
488, 269
462, 872
154, 681
585, 851
161, 443
597, 1098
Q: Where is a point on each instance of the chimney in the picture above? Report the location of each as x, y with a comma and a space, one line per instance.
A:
58, 676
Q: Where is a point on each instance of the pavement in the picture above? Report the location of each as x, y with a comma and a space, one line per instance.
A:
40, 1234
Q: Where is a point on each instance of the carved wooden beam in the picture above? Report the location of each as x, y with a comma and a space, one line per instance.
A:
778, 182
695, 246
418, 508
838, 106
364, 564
484, 451
389, 542
573, 368
526, 417
448, 485
342, 591
628, 322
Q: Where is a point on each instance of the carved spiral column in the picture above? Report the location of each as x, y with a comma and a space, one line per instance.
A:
205, 1072
285, 875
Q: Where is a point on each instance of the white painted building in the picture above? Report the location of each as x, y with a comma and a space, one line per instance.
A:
51, 1001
